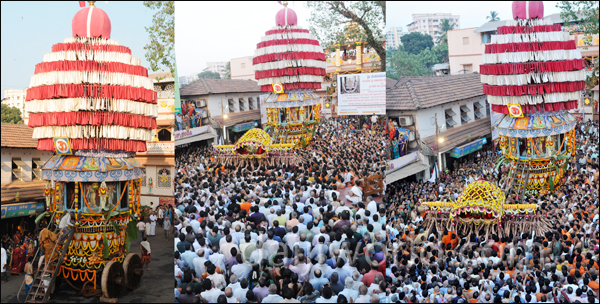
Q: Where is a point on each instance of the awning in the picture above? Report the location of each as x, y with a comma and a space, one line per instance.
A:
409, 170
191, 139
465, 109
463, 150
449, 112
19, 162
39, 162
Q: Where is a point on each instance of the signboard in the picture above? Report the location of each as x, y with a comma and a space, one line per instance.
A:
468, 148
166, 201
23, 209
263, 109
190, 132
403, 161
495, 120
62, 146
244, 126
361, 94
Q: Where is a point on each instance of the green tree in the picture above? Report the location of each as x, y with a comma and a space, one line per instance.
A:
415, 42
331, 22
228, 70
209, 74
493, 16
445, 26
11, 115
580, 16
160, 51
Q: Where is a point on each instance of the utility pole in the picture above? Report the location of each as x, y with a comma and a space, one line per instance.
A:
437, 144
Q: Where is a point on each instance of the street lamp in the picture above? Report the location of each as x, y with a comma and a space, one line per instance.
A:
440, 140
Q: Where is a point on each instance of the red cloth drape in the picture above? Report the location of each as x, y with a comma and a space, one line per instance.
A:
82, 90
293, 86
263, 44
127, 145
503, 30
288, 56
532, 67
289, 72
544, 107
87, 65
280, 31
530, 46
91, 118
59, 47
533, 89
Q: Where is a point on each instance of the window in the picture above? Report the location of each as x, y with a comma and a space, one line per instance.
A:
17, 166
486, 37
449, 114
477, 113
250, 103
467, 68
36, 166
465, 40
464, 114
243, 65
230, 109
164, 178
242, 106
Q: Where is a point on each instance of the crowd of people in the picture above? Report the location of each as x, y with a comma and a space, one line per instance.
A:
560, 266
284, 233
16, 250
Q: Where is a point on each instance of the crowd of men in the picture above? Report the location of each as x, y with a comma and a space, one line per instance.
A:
560, 266
284, 233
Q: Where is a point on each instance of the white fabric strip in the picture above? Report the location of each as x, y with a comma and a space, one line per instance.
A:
282, 64
288, 35
290, 79
284, 48
530, 22
527, 9
92, 55
534, 99
91, 104
89, 21
115, 132
517, 57
533, 78
91, 40
285, 15
531, 37
78, 77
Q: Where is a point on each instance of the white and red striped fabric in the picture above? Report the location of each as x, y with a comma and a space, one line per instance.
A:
291, 56
93, 91
532, 62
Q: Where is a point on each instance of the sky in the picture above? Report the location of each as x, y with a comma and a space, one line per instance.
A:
220, 31
472, 13
29, 29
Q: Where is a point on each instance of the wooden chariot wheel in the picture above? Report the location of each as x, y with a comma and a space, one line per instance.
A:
112, 280
132, 267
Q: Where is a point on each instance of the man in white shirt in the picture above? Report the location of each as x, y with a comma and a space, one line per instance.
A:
273, 297
4, 275
66, 225
241, 269
212, 293
198, 263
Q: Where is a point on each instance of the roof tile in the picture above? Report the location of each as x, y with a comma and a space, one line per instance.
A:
17, 136
205, 86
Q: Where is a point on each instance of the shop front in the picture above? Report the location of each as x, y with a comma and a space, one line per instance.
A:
457, 154
236, 131
21, 216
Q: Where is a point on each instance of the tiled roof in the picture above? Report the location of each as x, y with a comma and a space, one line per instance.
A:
455, 137
389, 82
419, 92
205, 86
17, 136
239, 117
27, 190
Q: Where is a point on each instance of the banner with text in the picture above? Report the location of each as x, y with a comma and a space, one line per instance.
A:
361, 94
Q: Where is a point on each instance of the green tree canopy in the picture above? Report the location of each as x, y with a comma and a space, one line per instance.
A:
209, 74
580, 16
415, 42
228, 70
402, 63
11, 115
493, 16
329, 22
160, 51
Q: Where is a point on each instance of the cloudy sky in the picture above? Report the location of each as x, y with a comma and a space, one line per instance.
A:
29, 29
472, 13
220, 31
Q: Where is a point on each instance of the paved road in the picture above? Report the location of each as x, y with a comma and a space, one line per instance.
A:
156, 286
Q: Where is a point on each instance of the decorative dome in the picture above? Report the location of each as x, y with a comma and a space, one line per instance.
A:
91, 22
92, 91
480, 202
528, 9
286, 16
256, 143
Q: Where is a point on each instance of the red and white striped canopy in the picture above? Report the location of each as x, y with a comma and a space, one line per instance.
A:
93, 91
533, 63
289, 55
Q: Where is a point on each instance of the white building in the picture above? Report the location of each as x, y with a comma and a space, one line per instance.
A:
431, 24
458, 106
392, 36
217, 67
241, 68
16, 98
232, 107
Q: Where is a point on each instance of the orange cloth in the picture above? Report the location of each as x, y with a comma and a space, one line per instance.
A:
246, 206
